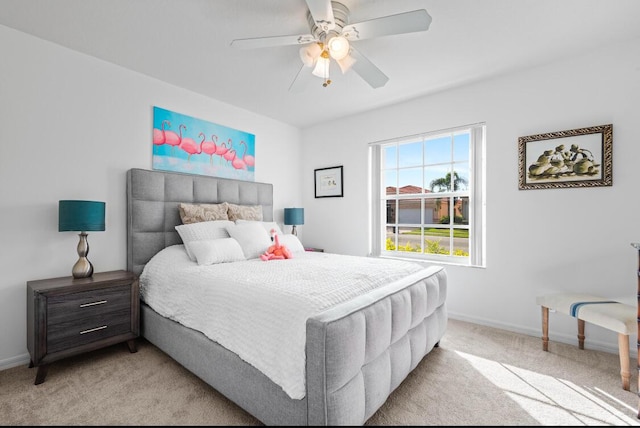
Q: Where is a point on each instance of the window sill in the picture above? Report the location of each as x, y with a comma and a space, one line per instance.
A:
428, 262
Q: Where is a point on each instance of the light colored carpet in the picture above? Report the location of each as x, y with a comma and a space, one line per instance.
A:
478, 376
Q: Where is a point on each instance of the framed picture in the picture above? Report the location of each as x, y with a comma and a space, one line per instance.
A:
574, 158
187, 144
328, 182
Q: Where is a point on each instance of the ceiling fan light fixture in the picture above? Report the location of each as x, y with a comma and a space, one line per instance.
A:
346, 63
322, 66
338, 47
309, 54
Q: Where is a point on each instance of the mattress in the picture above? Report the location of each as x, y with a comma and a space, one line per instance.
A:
259, 309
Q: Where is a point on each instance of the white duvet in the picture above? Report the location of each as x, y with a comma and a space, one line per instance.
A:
259, 309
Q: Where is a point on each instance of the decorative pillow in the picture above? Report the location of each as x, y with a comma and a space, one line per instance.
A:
252, 237
244, 212
268, 225
195, 213
202, 231
214, 251
291, 242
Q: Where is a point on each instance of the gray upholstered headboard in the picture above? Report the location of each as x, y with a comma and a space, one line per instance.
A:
152, 207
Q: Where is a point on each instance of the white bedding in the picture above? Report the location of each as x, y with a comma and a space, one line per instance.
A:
259, 309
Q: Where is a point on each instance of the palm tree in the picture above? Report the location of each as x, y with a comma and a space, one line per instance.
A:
444, 184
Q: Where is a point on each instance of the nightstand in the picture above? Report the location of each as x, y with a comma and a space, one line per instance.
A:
68, 316
315, 250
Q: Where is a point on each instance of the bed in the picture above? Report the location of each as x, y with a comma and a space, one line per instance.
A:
355, 352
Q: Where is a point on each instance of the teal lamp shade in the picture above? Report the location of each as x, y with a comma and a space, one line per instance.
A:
294, 217
81, 216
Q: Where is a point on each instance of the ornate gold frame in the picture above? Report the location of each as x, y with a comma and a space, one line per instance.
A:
574, 158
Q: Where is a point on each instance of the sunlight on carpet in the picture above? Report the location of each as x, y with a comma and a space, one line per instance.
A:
552, 401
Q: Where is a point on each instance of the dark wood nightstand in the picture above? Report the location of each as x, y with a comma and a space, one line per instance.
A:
68, 316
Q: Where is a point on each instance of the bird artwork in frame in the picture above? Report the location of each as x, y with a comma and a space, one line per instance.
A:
190, 145
328, 182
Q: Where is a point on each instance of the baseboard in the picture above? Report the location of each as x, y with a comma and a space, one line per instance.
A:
563, 338
595, 345
14, 361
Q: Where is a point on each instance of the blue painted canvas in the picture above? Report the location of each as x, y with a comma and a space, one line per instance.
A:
186, 144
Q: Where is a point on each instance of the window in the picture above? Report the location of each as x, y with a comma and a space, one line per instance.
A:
428, 196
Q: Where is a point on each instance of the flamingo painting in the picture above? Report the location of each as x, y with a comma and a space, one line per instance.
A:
205, 140
236, 162
247, 159
221, 150
189, 145
173, 139
209, 147
228, 155
158, 134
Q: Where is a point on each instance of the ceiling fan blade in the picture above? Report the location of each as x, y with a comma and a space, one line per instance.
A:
322, 13
407, 22
267, 42
302, 80
367, 70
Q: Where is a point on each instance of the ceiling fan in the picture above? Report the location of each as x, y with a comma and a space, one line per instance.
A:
331, 37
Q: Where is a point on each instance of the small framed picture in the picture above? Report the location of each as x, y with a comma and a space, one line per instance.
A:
574, 158
328, 182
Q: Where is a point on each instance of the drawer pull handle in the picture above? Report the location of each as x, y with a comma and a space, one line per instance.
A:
93, 329
100, 302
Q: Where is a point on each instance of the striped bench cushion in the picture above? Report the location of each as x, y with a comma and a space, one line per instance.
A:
606, 313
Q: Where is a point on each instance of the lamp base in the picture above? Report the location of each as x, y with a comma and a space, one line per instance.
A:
293, 230
83, 267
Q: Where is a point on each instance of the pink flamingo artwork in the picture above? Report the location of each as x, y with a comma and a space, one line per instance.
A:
222, 149
209, 147
189, 145
247, 159
158, 134
228, 155
236, 162
171, 138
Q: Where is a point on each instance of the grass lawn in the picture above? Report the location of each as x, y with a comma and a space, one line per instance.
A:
457, 233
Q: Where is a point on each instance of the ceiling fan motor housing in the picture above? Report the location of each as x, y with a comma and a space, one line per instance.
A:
341, 18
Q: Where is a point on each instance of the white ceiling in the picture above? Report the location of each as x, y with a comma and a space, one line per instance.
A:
186, 43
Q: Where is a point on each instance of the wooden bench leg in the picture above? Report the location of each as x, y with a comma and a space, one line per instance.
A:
545, 328
580, 334
623, 350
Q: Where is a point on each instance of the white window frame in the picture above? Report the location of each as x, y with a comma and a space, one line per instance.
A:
476, 192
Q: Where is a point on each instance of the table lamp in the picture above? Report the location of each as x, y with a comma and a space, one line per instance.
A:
81, 216
294, 217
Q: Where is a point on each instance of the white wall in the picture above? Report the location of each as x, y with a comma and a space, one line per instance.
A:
538, 241
71, 125
70, 128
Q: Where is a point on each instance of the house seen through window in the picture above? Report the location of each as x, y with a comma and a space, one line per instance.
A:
428, 196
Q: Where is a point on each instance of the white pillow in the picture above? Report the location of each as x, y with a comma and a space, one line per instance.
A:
268, 225
212, 251
252, 237
291, 242
202, 231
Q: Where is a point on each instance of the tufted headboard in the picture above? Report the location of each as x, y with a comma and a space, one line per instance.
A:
152, 207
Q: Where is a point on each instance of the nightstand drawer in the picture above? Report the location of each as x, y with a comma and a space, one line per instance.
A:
81, 331
79, 318
85, 304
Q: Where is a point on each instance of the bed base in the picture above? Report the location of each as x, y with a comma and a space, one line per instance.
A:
224, 370
357, 353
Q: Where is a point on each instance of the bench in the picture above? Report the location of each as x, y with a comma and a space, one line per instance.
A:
606, 313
